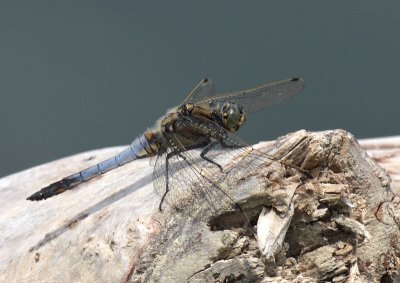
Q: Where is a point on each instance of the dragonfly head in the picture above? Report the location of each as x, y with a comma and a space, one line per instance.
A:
232, 116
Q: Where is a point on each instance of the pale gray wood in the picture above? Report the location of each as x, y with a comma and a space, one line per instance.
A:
344, 225
386, 152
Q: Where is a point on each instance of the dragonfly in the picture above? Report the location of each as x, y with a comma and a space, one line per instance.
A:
204, 122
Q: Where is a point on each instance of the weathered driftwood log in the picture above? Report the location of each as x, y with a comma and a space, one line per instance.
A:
386, 152
335, 219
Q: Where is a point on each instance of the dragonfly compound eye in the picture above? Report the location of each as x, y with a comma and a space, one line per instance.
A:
233, 116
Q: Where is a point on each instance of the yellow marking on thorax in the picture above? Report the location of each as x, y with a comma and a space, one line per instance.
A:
200, 110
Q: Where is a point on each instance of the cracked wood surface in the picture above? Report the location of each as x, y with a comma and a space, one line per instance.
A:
344, 225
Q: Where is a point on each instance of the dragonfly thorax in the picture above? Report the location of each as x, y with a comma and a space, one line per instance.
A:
231, 115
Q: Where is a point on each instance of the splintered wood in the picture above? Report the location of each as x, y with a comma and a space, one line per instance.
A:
315, 208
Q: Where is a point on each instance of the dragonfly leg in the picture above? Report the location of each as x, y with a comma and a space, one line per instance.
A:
169, 155
225, 145
207, 149
166, 185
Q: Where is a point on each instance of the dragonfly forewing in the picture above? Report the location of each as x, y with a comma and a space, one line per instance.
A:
205, 88
261, 97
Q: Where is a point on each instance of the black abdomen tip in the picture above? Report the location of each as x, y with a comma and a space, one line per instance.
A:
49, 191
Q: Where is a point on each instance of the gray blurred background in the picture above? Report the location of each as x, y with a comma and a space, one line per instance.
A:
81, 75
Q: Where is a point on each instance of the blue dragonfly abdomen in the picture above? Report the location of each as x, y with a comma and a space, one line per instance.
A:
141, 147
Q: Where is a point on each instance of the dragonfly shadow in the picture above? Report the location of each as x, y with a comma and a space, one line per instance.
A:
91, 210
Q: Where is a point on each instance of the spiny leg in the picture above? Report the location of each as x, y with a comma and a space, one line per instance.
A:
210, 146
169, 155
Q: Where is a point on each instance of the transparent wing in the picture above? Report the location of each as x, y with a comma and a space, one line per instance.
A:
205, 88
187, 182
190, 184
261, 97
194, 182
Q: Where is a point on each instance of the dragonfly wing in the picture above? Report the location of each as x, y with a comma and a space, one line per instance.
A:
186, 181
191, 183
205, 88
261, 97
